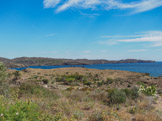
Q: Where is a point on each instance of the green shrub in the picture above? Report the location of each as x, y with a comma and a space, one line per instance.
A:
58, 79
97, 116
149, 91
110, 81
17, 74
4, 90
70, 89
131, 93
3, 73
133, 110
73, 79
78, 114
101, 83
35, 77
69, 80
45, 81
88, 83
140, 83
116, 96
20, 110
36, 90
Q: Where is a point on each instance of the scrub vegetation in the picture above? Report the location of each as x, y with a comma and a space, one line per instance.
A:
79, 94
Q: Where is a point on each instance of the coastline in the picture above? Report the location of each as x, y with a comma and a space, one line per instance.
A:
151, 69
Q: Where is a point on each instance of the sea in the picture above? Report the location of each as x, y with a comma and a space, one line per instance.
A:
154, 69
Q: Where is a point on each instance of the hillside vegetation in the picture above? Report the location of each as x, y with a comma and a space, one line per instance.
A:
79, 94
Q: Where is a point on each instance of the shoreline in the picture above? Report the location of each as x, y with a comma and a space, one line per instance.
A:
99, 67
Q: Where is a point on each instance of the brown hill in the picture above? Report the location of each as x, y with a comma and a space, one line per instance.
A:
40, 61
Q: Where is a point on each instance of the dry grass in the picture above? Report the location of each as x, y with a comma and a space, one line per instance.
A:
147, 117
87, 103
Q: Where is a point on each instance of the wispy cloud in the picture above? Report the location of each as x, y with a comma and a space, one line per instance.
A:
153, 37
107, 42
89, 15
50, 3
140, 50
136, 6
121, 36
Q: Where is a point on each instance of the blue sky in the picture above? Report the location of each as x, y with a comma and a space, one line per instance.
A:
93, 29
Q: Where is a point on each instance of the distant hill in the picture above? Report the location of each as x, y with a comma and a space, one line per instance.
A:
40, 61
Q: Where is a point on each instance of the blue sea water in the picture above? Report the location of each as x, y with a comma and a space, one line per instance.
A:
154, 69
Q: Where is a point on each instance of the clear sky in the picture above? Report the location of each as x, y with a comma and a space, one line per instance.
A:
93, 29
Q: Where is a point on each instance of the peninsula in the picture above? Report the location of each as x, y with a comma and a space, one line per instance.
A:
40, 61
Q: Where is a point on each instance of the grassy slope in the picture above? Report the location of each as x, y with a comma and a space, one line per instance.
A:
82, 94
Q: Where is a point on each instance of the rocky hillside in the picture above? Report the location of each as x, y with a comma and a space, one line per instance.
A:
80, 94
39, 61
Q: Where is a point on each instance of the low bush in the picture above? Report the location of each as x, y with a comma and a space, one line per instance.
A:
17, 75
45, 81
3, 73
96, 116
71, 79
133, 110
88, 83
148, 90
110, 81
116, 96
36, 90
131, 93
78, 114
4, 90
21, 111
99, 95
140, 83
35, 77
70, 89
99, 84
